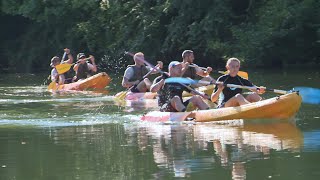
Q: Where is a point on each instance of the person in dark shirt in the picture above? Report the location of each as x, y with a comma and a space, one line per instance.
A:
230, 97
170, 94
192, 70
83, 68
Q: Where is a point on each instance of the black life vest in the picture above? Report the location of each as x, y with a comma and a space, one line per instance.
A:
138, 72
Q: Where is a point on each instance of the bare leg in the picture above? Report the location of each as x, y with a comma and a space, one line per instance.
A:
144, 85
237, 100
148, 83
254, 97
198, 102
177, 103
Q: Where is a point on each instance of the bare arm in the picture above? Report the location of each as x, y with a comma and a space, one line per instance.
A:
70, 57
54, 75
203, 72
75, 67
94, 66
215, 95
156, 69
185, 66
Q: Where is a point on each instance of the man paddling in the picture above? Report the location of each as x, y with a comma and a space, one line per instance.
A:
230, 97
83, 68
55, 76
170, 94
133, 75
193, 71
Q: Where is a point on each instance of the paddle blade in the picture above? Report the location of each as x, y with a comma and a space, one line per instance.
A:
243, 74
309, 95
62, 68
121, 95
181, 80
52, 86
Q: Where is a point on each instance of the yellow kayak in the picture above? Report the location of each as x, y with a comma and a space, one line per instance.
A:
98, 81
280, 107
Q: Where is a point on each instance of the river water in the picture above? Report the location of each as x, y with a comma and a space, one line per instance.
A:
87, 135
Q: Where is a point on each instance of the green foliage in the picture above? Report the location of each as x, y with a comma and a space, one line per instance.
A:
281, 32
261, 33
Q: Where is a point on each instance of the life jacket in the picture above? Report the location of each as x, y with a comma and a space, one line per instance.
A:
83, 71
138, 72
191, 73
68, 76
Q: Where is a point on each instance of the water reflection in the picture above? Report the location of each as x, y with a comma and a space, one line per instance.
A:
137, 105
187, 149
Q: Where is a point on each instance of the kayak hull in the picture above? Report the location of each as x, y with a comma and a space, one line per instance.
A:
98, 81
281, 107
139, 96
150, 95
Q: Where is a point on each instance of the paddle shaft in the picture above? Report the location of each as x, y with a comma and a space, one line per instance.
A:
247, 87
63, 56
147, 63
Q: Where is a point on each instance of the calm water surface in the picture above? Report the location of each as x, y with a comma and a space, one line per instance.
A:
89, 136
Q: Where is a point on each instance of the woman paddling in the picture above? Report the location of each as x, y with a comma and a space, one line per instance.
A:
230, 97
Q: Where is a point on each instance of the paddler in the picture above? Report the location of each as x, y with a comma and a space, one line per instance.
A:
133, 75
230, 97
60, 78
191, 70
83, 68
170, 94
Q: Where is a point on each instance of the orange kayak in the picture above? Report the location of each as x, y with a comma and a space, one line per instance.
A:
98, 81
281, 107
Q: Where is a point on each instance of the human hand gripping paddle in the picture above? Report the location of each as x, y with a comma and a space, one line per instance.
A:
309, 95
242, 74
122, 95
181, 83
62, 68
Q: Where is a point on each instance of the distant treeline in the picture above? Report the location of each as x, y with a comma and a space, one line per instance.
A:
262, 33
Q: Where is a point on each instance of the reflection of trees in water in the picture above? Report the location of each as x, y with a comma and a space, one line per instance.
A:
183, 149
102, 151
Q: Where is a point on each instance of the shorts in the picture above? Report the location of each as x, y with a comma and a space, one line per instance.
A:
135, 89
167, 107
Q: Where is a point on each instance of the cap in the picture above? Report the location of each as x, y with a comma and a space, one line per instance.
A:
173, 64
80, 55
54, 60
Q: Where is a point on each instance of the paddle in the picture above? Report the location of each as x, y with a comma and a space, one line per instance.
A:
242, 74
52, 85
122, 95
192, 81
309, 95
62, 68
152, 66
